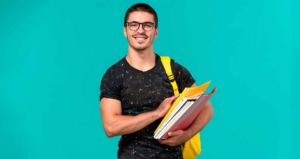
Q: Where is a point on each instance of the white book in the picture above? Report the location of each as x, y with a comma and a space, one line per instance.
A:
183, 111
175, 118
178, 107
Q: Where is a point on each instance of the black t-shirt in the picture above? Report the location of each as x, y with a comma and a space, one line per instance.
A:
141, 92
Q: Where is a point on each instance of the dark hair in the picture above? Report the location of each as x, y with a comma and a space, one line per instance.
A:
142, 7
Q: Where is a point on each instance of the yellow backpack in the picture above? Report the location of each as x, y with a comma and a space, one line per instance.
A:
192, 148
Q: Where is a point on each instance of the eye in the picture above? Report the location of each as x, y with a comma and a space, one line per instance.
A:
133, 24
148, 25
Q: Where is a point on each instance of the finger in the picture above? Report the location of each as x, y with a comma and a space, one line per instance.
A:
174, 133
161, 141
165, 141
174, 97
168, 142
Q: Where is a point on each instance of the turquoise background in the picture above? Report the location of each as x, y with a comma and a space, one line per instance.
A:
53, 55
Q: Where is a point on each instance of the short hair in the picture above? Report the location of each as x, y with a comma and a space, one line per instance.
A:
142, 7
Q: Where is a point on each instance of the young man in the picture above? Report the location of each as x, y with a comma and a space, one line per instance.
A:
136, 93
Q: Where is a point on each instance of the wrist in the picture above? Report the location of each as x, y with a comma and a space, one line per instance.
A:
188, 134
156, 114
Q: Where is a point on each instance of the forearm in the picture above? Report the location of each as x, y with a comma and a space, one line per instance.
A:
123, 124
201, 120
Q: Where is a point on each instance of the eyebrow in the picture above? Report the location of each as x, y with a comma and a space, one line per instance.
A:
143, 22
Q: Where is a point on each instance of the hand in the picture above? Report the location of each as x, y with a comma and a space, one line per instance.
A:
165, 105
176, 138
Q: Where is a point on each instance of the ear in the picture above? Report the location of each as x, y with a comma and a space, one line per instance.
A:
125, 31
156, 33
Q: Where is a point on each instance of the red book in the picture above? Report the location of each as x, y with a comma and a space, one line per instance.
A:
189, 115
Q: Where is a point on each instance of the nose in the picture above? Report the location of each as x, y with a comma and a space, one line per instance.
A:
141, 29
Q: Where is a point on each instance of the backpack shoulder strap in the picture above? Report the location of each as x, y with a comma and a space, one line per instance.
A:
166, 61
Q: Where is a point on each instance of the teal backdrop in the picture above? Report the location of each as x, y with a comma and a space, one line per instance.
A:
53, 55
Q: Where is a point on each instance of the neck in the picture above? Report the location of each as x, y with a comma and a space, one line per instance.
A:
141, 60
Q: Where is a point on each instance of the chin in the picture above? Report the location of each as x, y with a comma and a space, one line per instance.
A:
140, 48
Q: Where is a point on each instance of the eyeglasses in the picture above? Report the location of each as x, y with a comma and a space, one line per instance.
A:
147, 26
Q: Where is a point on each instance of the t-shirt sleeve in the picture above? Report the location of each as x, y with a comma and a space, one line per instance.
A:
110, 86
183, 77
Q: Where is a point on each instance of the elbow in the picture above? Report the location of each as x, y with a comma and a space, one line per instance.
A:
111, 128
109, 135
211, 112
110, 132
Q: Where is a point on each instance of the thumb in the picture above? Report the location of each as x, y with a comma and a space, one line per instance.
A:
174, 133
171, 133
174, 97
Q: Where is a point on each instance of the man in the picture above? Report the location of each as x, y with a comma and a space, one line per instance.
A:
136, 93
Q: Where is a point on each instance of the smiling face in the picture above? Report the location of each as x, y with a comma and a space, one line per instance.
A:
140, 39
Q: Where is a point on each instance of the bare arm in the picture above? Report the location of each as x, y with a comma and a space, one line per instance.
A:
115, 123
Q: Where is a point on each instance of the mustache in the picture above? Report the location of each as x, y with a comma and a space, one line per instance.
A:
140, 35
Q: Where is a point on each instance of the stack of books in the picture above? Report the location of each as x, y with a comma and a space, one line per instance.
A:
184, 110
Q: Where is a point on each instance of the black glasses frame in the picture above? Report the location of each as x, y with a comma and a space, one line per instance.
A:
140, 24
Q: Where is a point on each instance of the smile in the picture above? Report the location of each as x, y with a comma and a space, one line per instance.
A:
141, 39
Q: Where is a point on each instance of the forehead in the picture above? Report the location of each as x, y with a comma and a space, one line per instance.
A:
141, 17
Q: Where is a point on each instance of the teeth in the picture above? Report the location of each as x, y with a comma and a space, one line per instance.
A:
140, 38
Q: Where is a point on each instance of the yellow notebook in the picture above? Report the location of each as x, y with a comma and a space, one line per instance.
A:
187, 92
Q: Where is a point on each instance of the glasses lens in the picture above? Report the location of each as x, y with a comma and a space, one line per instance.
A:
133, 25
148, 26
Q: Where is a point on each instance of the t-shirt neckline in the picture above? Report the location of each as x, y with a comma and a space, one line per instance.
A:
140, 71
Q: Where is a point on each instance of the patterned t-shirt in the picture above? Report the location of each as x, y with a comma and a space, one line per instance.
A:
140, 92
